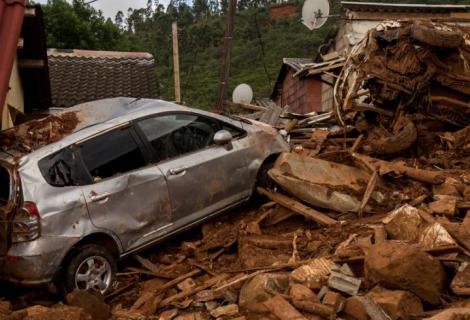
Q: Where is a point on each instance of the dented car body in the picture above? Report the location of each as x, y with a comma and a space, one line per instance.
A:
121, 174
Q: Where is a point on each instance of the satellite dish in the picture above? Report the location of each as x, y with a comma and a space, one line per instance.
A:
242, 94
315, 13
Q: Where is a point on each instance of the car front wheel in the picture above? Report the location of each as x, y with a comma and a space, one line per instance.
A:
90, 267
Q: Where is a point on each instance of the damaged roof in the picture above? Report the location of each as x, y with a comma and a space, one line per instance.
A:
296, 64
79, 76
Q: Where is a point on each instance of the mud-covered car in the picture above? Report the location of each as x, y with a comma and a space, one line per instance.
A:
86, 187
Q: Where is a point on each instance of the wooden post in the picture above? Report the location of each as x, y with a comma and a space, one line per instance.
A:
229, 26
176, 62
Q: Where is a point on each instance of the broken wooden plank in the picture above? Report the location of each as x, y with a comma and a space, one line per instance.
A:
297, 207
246, 106
181, 295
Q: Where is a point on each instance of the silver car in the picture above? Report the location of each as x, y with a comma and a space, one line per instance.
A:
103, 180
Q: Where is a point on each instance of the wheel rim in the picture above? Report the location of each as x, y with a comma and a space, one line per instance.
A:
94, 273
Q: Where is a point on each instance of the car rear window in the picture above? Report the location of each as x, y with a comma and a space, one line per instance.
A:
63, 168
4, 185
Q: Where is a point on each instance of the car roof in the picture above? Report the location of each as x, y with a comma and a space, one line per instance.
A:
78, 122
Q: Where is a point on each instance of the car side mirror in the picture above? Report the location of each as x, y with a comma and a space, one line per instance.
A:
222, 137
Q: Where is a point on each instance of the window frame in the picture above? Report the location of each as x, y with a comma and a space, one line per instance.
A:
137, 139
152, 151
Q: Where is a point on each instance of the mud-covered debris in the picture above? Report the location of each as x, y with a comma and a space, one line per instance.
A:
399, 265
398, 304
461, 283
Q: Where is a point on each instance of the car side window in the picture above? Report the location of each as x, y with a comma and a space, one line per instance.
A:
111, 153
172, 135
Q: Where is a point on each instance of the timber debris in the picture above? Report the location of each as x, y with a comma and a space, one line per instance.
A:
370, 218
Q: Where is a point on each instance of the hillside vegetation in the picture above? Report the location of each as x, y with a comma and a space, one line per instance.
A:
259, 43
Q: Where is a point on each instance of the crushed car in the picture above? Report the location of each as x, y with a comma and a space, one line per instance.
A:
103, 180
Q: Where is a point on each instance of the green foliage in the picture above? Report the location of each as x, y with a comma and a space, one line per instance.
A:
258, 48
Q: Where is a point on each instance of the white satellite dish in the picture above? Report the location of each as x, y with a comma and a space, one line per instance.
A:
315, 13
242, 94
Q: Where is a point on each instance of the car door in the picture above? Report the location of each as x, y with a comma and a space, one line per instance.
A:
201, 177
126, 196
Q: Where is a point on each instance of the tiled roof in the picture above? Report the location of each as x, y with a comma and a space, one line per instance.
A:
83, 75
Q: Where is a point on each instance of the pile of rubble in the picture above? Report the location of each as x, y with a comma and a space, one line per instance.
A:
370, 216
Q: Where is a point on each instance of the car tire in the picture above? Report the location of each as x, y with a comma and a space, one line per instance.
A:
90, 267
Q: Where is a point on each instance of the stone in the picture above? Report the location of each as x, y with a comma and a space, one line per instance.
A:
460, 285
282, 309
404, 223
354, 308
399, 265
91, 301
334, 300
227, 310
301, 292
398, 304
261, 288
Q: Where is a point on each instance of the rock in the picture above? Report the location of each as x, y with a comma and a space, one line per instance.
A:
227, 310
398, 304
301, 292
259, 289
62, 312
283, 309
403, 266
404, 223
354, 308
452, 314
91, 301
314, 274
461, 283
334, 300
435, 235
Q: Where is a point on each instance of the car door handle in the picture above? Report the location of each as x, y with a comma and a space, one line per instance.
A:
99, 197
178, 171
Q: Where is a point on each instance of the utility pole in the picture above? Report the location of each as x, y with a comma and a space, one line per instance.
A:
228, 41
176, 62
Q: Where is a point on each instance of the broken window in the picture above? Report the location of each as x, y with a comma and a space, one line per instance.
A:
62, 169
111, 153
176, 134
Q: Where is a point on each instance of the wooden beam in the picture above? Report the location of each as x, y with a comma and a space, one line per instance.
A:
297, 207
31, 63
176, 62
245, 106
